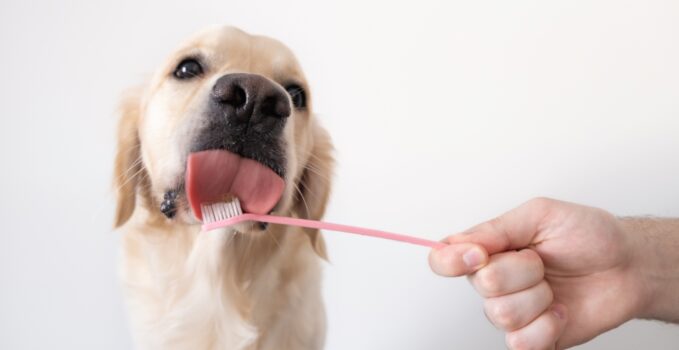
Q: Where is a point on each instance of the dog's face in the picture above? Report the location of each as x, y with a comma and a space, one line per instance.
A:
235, 95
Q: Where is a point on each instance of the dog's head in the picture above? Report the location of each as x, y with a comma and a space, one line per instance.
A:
238, 107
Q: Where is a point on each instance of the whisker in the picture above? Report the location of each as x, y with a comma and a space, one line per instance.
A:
317, 172
130, 168
301, 196
129, 179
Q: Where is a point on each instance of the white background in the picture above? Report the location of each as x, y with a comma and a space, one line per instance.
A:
444, 114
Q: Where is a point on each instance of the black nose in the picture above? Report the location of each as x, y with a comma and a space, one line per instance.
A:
251, 99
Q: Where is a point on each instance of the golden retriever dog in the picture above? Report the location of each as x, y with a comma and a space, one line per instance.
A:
243, 101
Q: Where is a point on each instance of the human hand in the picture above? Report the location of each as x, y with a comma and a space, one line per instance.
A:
553, 274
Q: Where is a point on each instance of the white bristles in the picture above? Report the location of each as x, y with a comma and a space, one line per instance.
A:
220, 211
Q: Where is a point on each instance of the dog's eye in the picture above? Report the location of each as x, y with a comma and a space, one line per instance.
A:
187, 69
297, 95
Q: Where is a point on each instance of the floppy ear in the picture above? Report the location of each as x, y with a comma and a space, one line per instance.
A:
314, 185
128, 165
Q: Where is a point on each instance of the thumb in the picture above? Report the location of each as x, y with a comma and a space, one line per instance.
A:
515, 229
457, 259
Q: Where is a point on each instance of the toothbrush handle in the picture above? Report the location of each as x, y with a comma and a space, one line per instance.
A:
282, 220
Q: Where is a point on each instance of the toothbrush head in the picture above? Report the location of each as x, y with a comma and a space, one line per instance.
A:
220, 211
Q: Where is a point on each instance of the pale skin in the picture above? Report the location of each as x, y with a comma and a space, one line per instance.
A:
555, 274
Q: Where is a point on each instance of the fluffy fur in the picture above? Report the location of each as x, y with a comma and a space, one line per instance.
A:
231, 289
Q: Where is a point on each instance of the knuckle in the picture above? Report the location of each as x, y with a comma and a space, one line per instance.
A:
552, 328
488, 226
495, 224
531, 264
540, 202
530, 254
518, 340
546, 291
515, 341
489, 281
501, 314
533, 258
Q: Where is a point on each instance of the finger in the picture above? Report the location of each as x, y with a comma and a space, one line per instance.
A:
508, 273
513, 311
457, 259
542, 333
512, 230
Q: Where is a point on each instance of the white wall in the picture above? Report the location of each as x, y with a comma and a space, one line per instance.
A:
443, 113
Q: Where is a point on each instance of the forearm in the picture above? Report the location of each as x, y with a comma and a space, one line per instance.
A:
657, 263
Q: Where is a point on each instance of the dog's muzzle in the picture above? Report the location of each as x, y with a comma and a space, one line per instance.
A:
240, 148
246, 115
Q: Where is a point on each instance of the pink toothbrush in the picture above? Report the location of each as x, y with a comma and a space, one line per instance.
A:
224, 214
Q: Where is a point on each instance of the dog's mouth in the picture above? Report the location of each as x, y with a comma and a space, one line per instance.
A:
217, 175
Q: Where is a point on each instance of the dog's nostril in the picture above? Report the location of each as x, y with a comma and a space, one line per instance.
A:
275, 106
238, 97
232, 94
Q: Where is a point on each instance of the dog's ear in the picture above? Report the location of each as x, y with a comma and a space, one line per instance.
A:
128, 167
314, 185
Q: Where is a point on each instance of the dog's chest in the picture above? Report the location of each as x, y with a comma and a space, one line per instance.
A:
183, 292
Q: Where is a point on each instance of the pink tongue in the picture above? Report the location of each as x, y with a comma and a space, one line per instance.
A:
211, 176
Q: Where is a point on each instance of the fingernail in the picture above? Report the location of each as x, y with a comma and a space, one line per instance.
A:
559, 310
472, 258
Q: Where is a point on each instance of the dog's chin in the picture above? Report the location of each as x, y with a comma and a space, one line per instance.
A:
249, 227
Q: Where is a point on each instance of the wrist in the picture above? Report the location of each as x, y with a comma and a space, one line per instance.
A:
655, 262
